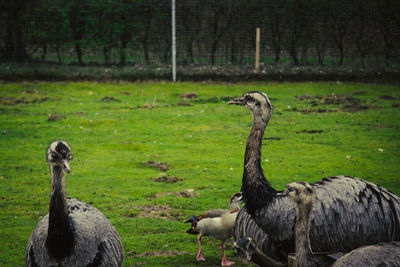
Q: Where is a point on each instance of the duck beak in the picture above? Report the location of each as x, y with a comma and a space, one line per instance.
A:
237, 101
65, 165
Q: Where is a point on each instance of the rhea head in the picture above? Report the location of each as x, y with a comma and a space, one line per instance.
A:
300, 192
257, 102
59, 154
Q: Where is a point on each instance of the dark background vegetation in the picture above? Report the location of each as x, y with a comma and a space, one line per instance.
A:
320, 39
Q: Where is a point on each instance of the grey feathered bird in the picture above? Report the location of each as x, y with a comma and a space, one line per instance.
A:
348, 212
246, 229
73, 233
301, 193
248, 247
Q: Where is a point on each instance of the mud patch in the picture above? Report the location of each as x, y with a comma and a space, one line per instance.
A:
56, 117
108, 99
166, 179
156, 211
320, 110
311, 131
188, 193
272, 138
148, 106
184, 104
79, 113
159, 165
334, 99
388, 97
15, 101
188, 96
126, 93
346, 103
305, 97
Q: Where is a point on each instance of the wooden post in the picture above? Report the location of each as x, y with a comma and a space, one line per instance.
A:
257, 67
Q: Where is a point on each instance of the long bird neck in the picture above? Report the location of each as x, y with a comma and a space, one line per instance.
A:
261, 259
59, 237
304, 256
255, 188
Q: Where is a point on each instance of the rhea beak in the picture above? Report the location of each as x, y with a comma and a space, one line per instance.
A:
237, 101
65, 165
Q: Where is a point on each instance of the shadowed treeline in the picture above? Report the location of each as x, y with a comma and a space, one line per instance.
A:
209, 32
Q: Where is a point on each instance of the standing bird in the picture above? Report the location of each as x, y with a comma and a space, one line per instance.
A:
218, 224
348, 212
301, 193
73, 233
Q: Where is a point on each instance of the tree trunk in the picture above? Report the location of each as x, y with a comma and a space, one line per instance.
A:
58, 53
293, 55
44, 51
78, 51
14, 46
106, 53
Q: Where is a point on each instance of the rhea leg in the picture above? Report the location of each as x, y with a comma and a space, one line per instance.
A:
200, 256
224, 261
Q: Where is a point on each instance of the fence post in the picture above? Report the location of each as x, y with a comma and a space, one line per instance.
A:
257, 67
173, 41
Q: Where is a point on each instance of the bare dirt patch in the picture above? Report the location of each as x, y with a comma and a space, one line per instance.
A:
345, 103
188, 95
184, 104
166, 179
272, 138
320, 110
311, 131
156, 211
15, 101
79, 113
388, 97
126, 93
108, 99
159, 165
56, 117
188, 193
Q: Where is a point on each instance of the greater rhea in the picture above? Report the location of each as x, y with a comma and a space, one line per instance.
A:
348, 212
217, 224
246, 231
73, 233
248, 247
383, 254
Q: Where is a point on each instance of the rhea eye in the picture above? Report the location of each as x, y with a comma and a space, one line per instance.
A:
53, 155
258, 104
290, 189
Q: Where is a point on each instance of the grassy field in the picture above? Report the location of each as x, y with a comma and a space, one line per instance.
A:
116, 129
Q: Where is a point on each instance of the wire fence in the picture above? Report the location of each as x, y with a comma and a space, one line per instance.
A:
209, 33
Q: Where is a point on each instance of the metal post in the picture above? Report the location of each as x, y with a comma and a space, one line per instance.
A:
257, 67
173, 41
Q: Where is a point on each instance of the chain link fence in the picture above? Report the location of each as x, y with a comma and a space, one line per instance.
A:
213, 37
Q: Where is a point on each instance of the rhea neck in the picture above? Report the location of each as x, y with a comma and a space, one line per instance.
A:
59, 237
255, 188
304, 256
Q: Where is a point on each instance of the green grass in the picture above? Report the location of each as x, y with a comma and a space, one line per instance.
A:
203, 143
